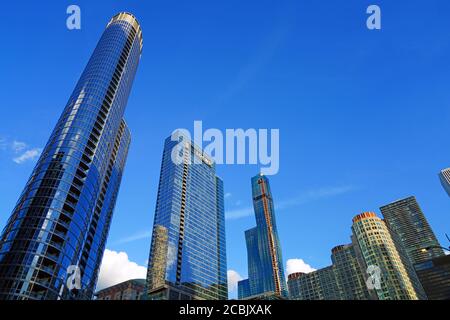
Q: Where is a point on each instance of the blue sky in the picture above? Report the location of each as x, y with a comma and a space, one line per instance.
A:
363, 115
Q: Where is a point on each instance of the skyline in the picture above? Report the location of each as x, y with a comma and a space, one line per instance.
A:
307, 188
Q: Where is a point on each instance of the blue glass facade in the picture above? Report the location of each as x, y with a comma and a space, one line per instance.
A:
265, 263
63, 216
188, 254
244, 289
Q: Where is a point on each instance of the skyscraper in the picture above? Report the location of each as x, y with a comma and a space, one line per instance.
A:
411, 230
62, 218
265, 263
379, 251
188, 254
444, 176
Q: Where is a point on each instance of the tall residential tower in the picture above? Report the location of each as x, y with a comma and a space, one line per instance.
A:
188, 255
62, 218
411, 230
378, 251
265, 263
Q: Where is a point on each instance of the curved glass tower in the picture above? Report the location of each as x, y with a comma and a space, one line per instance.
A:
59, 226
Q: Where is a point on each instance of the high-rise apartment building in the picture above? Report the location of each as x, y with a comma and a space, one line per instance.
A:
444, 176
343, 280
317, 285
411, 230
379, 251
350, 273
62, 218
188, 255
265, 263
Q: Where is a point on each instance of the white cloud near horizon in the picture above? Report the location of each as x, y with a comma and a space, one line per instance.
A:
302, 198
116, 267
233, 278
298, 265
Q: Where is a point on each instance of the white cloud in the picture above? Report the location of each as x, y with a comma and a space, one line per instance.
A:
305, 197
19, 150
298, 265
233, 279
27, 155
228, 194
117, 268
18, 146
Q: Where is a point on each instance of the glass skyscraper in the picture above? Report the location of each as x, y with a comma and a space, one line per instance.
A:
444, 176
411, 230
265, 263
188, 254
63, 215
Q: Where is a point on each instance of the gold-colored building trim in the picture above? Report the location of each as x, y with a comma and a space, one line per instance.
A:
131, 19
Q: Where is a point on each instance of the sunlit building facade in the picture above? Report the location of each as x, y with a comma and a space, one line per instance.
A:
349, 273
188, 255
317, 285
343, 280
63, 215
265, 263
379, 251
